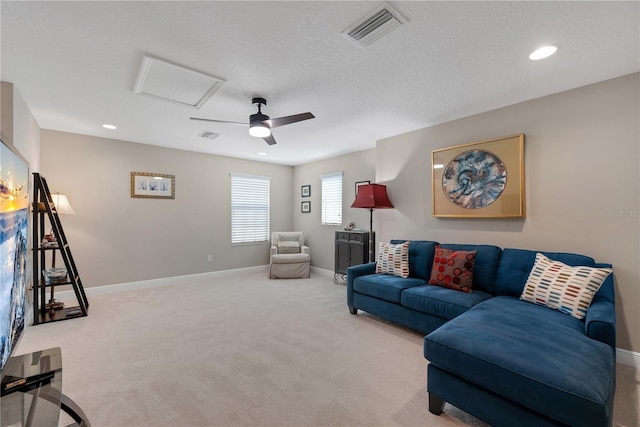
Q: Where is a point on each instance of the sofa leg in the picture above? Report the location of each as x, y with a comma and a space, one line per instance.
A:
436, 404
353, 310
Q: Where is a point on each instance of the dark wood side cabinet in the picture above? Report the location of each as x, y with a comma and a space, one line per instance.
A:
352, 248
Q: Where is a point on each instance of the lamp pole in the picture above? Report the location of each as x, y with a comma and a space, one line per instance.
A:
370, 234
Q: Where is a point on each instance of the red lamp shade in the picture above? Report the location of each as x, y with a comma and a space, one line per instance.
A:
372, 196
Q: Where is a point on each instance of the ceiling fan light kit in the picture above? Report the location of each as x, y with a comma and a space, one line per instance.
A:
259, 130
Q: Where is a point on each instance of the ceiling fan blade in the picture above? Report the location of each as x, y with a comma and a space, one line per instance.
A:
281, 121
219, 121
269, 140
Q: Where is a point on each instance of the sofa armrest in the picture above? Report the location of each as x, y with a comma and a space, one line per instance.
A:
273, 251
357, 271
360, 270
600, 322
304, 249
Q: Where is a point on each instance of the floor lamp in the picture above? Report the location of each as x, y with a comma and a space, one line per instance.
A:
372, 196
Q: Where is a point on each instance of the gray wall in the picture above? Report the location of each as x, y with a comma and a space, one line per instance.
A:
115, 238
358, 166
26, 132
581, 173
19, 127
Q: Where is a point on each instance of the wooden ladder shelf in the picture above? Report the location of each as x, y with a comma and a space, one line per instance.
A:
51, 310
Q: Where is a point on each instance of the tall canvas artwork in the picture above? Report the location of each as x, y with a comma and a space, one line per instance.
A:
14, 215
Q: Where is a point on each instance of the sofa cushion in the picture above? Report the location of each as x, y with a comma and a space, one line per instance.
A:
485, 266
290, 258
420, 257
453, 269
441, 302
556, 285
537, 357
384, 286
515, 265
393, 259
288, 247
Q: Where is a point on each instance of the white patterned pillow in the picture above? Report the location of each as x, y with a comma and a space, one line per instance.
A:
567, 289
393, 259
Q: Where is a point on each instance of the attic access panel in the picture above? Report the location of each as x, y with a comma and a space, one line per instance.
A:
175, 83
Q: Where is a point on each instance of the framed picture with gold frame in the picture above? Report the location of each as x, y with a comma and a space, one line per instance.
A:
153, 185
479, 180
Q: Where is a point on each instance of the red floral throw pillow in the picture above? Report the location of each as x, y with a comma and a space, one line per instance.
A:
453, 269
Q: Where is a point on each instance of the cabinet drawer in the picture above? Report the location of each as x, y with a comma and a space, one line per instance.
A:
355, 237
342, 236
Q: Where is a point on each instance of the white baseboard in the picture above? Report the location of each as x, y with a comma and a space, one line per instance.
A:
629, 358
29, 316
164, 281
322, 272
153, 283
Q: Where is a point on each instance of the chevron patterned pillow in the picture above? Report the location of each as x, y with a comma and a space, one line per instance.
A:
393, 259
567, 289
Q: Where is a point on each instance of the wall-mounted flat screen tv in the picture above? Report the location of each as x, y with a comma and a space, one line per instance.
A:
14, 219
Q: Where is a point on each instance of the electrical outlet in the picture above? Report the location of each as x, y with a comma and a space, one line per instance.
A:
210, 258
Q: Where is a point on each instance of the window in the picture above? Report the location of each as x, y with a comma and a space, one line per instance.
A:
332, 199
249, 208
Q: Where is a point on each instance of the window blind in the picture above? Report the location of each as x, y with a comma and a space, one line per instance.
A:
332, 199
249, 208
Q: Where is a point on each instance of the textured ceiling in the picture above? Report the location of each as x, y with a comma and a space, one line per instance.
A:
76, 64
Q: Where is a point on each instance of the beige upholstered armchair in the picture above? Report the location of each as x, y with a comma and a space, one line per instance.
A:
290, 258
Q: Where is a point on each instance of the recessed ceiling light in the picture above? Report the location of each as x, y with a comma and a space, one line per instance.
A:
543, 52
262, 154
108, 126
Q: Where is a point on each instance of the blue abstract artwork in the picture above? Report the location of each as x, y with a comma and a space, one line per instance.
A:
474, 179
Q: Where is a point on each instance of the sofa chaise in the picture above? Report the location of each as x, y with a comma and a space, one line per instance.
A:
497, 352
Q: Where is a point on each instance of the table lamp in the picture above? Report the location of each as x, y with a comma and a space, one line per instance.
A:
63, 207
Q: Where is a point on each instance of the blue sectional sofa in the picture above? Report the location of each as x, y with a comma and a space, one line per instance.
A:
504, 360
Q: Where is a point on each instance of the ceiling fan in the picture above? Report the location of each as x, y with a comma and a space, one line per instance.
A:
260, 125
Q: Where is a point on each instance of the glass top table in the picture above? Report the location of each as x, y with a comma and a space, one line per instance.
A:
31, 391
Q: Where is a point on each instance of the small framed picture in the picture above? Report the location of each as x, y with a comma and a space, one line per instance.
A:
305, 191
305, 207
359, 183
153, 185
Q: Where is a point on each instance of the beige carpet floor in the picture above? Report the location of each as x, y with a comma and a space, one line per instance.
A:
242, 350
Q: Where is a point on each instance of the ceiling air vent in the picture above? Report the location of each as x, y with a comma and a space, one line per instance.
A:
209, 135
373, 26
